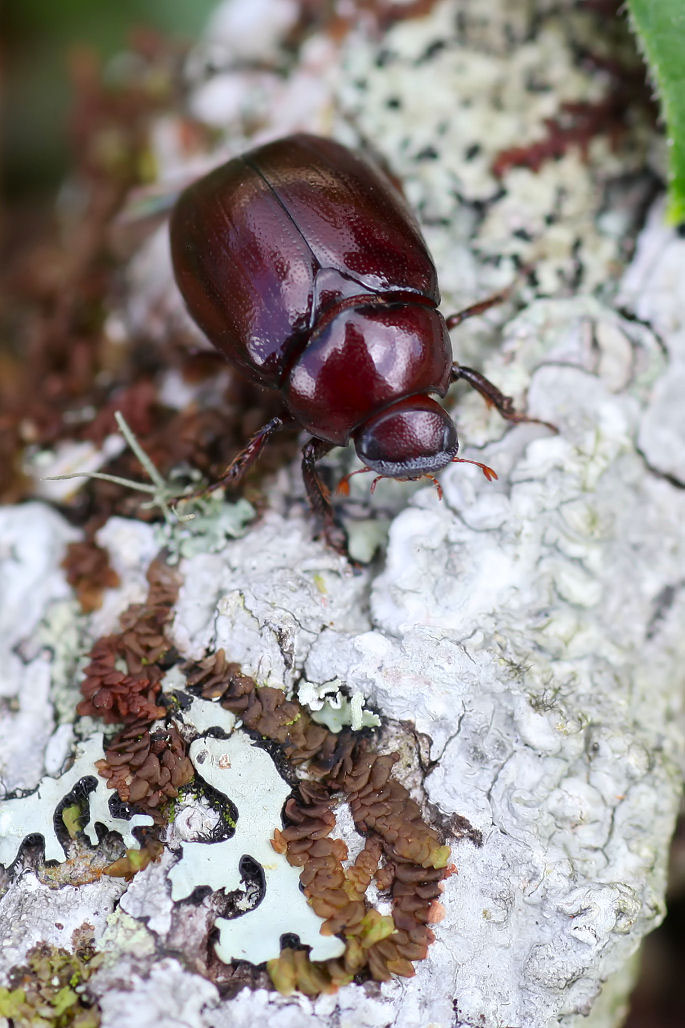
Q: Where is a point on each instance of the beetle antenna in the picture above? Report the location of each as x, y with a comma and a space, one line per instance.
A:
343, 486
489, 473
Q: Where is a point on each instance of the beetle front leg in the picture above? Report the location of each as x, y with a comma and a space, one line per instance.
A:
319, 495
493, 396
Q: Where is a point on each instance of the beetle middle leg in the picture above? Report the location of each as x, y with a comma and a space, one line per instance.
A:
319, 495
478, 308
243, 461
493, 396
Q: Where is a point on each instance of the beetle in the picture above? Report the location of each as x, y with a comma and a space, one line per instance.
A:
303, 265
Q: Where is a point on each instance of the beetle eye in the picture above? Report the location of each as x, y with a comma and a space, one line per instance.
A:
372, 448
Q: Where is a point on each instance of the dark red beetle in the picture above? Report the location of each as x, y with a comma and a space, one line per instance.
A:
303, 265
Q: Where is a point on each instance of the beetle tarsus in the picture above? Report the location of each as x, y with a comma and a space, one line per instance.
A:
493, 396
319, 494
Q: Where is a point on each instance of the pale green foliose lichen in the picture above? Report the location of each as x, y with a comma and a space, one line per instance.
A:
247, 775
32, 814
206, 529
330, 707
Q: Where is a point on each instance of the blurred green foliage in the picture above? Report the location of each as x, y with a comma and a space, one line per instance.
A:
660, 27
37, 38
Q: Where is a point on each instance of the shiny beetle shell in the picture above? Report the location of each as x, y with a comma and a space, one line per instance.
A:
303, 265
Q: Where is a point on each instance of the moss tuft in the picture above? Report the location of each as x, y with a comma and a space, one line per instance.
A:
50, 990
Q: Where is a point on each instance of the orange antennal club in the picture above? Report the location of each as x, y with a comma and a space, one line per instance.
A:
489, 472
343, 486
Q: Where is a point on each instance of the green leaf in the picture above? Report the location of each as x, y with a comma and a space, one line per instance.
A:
660, 27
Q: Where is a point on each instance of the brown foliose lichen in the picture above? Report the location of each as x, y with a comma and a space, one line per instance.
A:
89, 572
122, 680
406, 857
146, 768
122, 683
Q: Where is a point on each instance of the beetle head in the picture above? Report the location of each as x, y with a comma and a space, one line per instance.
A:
410, 439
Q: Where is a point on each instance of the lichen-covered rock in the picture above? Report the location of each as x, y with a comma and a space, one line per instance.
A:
521, 640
